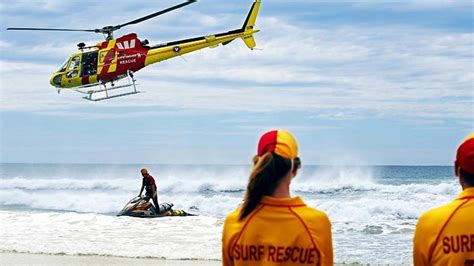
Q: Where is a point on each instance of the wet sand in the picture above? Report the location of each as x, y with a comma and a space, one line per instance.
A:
41, 259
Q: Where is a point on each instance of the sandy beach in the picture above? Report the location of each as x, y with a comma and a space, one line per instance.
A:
40, 259
43, 259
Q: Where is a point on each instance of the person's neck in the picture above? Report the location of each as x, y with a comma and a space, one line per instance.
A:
283, 189
466, 187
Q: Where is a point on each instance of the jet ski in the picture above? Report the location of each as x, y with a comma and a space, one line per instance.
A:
141, 206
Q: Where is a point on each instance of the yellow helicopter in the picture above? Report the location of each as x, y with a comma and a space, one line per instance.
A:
116, 59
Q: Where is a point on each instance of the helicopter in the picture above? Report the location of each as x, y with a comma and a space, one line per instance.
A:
115, 59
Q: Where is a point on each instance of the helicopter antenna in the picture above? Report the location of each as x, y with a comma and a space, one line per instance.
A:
108, 31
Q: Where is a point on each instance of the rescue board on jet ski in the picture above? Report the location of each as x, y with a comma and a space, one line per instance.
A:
142, 208
164, 214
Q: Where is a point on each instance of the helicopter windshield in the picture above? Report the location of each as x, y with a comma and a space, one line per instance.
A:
63, 66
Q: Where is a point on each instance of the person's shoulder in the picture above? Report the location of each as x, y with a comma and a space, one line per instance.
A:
437, 214
312, 214
233, 217
232, 223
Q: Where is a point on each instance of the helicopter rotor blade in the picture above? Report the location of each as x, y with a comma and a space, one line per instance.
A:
155, 14
108, 30
49, 29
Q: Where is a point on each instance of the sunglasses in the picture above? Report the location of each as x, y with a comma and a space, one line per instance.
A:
297, 162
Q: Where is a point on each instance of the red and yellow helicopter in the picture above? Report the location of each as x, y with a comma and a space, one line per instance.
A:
116, 59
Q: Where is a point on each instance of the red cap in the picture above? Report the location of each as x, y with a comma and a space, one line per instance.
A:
465, 155
280, 142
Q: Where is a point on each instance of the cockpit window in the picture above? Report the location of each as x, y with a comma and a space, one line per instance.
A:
63, 66
74, 63
72, 74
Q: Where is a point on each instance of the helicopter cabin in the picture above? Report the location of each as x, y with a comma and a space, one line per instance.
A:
79, 69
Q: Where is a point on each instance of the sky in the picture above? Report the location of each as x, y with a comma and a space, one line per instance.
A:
357, 82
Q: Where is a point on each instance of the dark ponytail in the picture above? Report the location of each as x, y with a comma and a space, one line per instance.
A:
267, 172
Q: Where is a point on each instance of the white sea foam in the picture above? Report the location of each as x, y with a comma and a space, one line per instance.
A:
72, 234
335, 179
326, 180
66, 184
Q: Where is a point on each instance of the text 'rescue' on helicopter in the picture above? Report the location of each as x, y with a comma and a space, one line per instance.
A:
115, 59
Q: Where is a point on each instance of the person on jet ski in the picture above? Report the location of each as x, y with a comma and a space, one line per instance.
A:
149, 184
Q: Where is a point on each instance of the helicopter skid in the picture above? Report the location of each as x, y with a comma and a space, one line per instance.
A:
89, 98
102, 90
91, 93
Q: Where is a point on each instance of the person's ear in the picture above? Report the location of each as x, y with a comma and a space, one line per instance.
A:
457, 169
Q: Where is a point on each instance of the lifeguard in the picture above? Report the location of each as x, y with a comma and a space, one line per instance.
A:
445, 235
272, 228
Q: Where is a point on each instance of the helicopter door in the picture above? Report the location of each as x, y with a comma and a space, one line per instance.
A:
107, 62
73, 69
72, 74
89, 63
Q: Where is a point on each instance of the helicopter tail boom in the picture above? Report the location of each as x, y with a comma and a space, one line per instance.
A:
166, 51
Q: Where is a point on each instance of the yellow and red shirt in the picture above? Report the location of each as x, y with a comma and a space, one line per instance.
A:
445, 235
280, 231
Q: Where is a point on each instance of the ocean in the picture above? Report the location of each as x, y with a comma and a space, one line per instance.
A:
71, 209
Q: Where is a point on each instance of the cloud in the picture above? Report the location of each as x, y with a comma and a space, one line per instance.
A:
4, 44
407, 5
31, 5
410, 5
